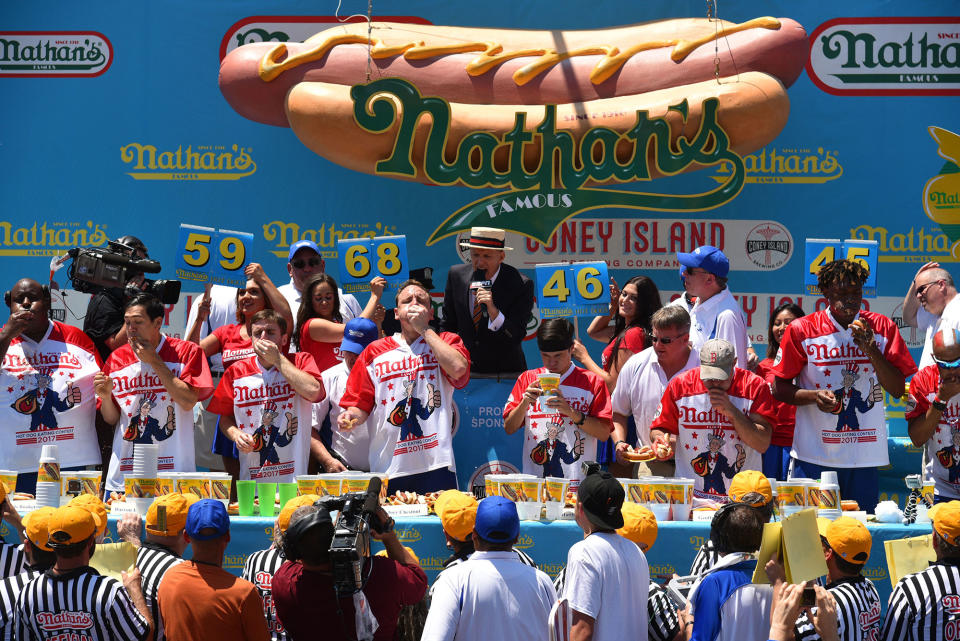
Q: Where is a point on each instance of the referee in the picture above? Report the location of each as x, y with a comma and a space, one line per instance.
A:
925, 605
71, 600
40, 558
846, 548
262, 564
11, 556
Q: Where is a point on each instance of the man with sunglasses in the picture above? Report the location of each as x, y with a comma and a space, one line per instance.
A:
931, 304
716, 314
932, 421
643, 379
829, 363
303, 261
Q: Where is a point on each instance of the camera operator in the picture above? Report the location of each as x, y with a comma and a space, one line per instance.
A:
104, 319
303, 587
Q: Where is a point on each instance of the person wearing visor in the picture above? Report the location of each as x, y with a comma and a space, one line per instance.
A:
932, 412
563, 418
843, 359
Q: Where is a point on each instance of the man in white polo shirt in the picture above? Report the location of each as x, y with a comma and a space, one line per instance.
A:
645, 376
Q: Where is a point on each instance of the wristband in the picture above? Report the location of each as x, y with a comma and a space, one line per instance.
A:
619, 442
940, 406
583, 418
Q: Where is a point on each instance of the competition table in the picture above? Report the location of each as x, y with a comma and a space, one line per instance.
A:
546, 542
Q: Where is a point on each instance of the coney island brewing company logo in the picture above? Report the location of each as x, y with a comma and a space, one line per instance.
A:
887, 56
36, 54
204, 162
554, 192
768, 245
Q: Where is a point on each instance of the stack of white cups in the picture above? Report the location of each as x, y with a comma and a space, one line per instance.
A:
145, 461
48, 493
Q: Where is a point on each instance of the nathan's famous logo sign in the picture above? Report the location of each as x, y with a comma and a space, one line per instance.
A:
35, 54
203, 162
941, 194
49, 238
886, 56
787, 165
507, 109
282, 234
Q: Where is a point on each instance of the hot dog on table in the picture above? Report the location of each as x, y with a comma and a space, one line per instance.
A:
599, 78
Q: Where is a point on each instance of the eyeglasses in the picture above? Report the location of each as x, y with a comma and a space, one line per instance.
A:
923, 288
665, 340
300, 264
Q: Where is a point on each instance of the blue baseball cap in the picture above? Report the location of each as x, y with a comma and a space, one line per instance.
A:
497, 520
207, 513
357, 334
706, 257
300, 244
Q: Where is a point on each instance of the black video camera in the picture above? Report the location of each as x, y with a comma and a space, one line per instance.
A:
96, 268
351, 535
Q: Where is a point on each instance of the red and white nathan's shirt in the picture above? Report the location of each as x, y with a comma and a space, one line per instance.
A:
46, 397
821, 355
943, 448
147, 412
709, 449
267, 408
552, 444
233, 346
410, 401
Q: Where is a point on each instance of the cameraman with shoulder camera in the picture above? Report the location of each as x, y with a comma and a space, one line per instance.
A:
303, 587
104, 319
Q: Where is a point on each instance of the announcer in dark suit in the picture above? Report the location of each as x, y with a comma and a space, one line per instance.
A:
492, 321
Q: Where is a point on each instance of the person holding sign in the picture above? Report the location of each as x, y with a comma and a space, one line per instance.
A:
716, 313
933, 411
404, 383
320, 322
150, 365
488, 303
843, 359
564, 409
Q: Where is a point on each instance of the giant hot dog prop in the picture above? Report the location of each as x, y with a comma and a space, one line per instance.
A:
487, 76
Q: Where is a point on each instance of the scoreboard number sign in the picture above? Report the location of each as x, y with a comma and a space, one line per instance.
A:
820, 251
362, 259
208, 255
578, 289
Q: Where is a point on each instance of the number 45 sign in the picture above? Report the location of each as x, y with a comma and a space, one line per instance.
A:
820, 251
579, 289
361, 259
212, 255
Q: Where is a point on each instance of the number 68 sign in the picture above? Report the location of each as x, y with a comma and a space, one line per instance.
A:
579, 289
361, 259
212, 255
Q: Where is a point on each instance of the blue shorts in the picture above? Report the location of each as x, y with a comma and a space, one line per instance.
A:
223, 445
776, 461
861, 484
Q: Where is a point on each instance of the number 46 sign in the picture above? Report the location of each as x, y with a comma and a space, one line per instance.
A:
579, 289
820, 251
361, 259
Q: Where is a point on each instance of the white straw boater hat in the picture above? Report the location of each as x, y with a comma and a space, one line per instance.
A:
486, 238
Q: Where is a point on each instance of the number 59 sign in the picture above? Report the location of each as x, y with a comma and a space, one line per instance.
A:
361, 259
579, 289
212, 255
820, 251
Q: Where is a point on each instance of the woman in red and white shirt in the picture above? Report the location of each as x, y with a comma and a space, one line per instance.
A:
319, 323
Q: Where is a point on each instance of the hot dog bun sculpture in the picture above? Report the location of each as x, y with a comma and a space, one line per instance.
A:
487, 77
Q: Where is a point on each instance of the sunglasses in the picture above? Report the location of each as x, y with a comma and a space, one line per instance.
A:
923, 288
665, 340
947, 364
300, 264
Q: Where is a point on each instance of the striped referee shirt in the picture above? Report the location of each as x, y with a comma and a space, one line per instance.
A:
858, 611
706, 557
662, 621
12, 559
80, 605
10, 589
153, 561
259, 570
926, 605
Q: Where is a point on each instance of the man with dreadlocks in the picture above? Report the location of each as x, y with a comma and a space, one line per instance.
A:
834, 364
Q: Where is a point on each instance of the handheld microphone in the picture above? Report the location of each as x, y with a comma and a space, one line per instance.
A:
479, 281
